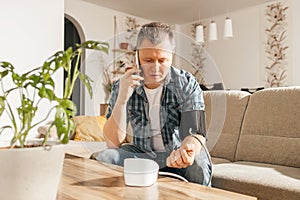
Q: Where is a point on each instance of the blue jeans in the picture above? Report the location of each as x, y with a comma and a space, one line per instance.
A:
199, 172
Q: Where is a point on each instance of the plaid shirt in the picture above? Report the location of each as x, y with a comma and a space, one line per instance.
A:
181, 92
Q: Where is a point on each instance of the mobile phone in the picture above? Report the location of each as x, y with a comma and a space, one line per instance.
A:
137, 62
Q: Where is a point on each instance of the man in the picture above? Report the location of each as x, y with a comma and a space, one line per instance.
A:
159, 102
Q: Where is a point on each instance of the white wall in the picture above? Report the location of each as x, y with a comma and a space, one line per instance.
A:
98, 24
31, 31
295, 41
241, 59
238, 61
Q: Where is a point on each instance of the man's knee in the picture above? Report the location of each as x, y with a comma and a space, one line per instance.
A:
203, 163
111, 156
200, 171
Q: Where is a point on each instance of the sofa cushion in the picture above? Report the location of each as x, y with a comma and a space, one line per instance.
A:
89, 128
224, 115
265, 181
271, 129
216, 160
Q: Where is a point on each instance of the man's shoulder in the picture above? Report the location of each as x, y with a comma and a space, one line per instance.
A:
180, 76
179, 72
186, 89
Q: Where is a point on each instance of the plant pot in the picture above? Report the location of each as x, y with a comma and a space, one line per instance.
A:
124, 45
31, 173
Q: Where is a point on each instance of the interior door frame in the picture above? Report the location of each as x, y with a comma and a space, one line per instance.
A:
82, 64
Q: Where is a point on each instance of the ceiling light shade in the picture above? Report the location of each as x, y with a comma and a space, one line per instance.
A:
228, 28
213, 31
199, 34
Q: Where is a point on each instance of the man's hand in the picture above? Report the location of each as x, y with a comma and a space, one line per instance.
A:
185, 155
128, 82
182, 157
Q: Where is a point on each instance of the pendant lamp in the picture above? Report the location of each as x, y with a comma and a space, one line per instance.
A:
199, 34
228, 28
213, 31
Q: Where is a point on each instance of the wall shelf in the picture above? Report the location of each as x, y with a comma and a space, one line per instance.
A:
125, 51
118, 72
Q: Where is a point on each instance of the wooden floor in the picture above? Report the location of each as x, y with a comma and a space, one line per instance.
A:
83, 178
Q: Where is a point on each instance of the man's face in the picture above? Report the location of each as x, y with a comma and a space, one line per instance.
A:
155, 62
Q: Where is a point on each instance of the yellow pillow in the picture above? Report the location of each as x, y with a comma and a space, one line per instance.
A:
89, 128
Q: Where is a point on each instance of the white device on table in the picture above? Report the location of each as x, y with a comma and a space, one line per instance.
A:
140, 172
144, 172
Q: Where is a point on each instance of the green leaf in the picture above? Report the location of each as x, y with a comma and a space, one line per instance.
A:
54, 62
49, 66
68, 53
100, 46
26, 109
67, 58
3, 74
87, 82
62, 124
63, 120
47, 80
46, 76
8, 66
47, 93
2, 104
17, 79
69, 107
33, 80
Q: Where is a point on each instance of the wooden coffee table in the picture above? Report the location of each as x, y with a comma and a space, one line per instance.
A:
83, 178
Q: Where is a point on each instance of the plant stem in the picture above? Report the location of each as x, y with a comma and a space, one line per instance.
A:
48, 114
12, 118
72, 80
75, 74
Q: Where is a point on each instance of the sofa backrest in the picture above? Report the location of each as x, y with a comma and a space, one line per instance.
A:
224, 114
271, 128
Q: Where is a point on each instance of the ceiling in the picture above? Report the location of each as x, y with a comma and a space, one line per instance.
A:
176, 11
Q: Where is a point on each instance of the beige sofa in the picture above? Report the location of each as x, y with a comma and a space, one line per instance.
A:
254, 141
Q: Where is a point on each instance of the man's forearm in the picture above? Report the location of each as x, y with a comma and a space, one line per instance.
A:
115, 128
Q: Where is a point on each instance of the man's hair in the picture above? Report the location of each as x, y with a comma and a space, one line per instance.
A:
156, 33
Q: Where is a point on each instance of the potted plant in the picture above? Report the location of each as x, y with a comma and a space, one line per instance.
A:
44, 160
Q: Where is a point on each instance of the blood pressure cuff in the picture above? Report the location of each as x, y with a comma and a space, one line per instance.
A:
194, 119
